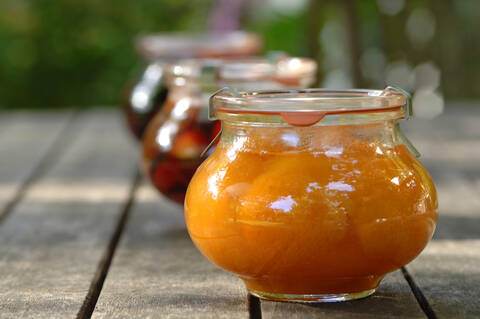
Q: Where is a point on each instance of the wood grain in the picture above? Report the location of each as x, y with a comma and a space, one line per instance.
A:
448, 274
26, 138
52, 242
158, 273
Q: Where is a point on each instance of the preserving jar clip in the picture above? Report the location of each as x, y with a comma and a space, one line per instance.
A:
209, 146
408, 104
211, 107
406, 141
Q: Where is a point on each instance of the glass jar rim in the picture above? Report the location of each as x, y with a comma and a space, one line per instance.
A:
309, 106
189, 45
280, 69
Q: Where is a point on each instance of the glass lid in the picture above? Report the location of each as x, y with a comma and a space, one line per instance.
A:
278, 69
185, 45
307, 107
283, 69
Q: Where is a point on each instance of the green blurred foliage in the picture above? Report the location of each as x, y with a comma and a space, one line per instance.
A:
284, 33
80, 53
70, 52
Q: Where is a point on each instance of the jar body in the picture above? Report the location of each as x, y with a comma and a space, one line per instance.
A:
175, 139
143, 97
316, 213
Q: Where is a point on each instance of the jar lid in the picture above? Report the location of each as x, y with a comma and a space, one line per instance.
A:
293, 72
283, 69
184, 45
192, 68
307, 107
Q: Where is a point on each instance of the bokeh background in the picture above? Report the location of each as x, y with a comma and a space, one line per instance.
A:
68, 53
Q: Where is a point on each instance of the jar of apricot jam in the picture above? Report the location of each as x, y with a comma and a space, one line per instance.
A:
311, 196
177, 135
145, 96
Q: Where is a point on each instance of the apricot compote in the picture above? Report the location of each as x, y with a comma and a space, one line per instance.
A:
320, 210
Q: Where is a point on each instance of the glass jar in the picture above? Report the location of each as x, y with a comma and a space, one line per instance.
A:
143, 98
177, 135
311, 196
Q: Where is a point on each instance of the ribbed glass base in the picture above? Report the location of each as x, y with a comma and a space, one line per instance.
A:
313, 298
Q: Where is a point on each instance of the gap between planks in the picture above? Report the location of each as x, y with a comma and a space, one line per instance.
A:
96, 286
417, 292
60, 143
254, 307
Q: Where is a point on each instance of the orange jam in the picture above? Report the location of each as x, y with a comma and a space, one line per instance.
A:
319, 210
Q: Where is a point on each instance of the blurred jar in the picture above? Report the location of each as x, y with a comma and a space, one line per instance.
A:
176, 137
145, 95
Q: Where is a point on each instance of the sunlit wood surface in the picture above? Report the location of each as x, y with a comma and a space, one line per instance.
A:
82, 234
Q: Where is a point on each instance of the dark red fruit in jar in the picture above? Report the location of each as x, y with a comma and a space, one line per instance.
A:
171, 176
170, 160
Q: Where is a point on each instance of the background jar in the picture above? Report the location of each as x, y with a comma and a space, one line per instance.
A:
144, 95
311, 195
177, 135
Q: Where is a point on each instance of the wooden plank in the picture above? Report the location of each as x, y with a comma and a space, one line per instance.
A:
6, 118
158, 273
448, 271
25, 139
448, 274
459, 205
457, 121
51, 244
98, 280
448, 141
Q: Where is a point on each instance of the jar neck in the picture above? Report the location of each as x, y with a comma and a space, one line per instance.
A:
276, 120
267, 139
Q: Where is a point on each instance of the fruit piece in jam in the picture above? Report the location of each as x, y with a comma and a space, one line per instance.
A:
328, 218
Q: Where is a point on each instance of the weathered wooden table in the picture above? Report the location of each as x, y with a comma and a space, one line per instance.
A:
82, 235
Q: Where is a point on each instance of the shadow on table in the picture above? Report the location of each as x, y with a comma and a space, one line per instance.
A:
386, 303
385, 300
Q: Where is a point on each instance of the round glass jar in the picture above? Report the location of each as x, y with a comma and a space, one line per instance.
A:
177, 135
144, 96
311, 196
